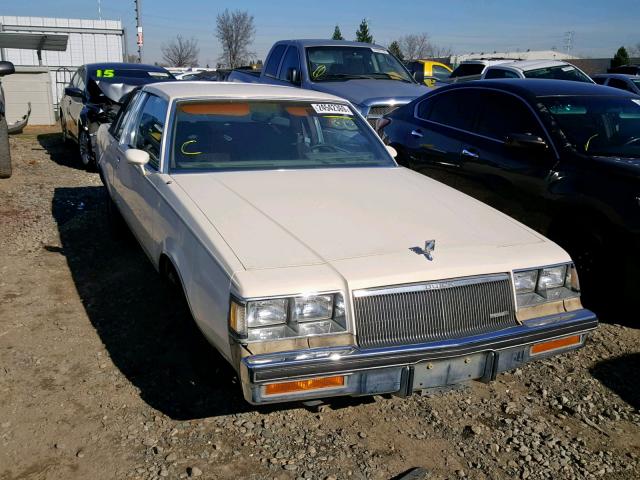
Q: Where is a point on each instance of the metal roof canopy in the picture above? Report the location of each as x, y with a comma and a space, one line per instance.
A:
34, 41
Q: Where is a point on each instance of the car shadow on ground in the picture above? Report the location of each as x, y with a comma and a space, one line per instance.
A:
63, 154
145, 326
618, 374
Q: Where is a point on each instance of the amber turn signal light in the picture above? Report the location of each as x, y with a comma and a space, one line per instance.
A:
303, 385
556, 344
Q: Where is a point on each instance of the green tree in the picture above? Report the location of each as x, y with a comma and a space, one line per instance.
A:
620, 58
337, 34
395, 50
363, 34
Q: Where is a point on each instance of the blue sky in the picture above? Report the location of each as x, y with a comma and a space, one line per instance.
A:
463, 25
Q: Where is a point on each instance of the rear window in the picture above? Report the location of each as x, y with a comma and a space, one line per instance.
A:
259, 135
560, 72
466, 69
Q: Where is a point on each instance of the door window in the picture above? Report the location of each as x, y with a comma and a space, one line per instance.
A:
502, 114
291, 60
150, 127
271, 68
621, 84
500, 73
80, 80
123, 114
455, 108
440, 73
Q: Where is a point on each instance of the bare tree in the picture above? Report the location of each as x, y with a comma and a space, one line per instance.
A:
180, 52
235, 31
131, 58
415, 46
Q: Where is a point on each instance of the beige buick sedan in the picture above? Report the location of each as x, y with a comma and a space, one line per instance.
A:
314, 263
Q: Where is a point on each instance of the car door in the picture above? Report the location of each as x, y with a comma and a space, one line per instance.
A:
76, 104
508, 175
435, 136
134, 185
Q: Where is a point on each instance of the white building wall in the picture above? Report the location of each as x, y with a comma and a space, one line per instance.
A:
105, 44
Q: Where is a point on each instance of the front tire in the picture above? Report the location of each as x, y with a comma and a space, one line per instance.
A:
84, 149
5, 153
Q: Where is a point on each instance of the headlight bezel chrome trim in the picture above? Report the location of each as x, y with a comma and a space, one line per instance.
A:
340, 325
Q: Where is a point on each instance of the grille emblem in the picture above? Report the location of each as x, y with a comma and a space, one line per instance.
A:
427, 251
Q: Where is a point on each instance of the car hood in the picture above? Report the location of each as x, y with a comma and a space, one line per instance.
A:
366, 92
306, 217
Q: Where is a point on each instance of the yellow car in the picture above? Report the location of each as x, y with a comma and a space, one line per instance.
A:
428, 71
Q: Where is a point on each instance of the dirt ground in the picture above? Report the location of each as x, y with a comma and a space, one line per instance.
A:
102, 375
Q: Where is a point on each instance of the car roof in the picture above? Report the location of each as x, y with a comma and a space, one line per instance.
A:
526, 65
311, 42
235, 90
486, 61
126, 66
532, 88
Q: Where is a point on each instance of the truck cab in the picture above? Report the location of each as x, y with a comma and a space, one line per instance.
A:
367, 75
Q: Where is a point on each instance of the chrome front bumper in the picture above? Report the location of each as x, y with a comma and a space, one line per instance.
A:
404, 369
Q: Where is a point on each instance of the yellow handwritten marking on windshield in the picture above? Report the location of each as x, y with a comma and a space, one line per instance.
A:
586, 146
189, 142
337, 116
319, 71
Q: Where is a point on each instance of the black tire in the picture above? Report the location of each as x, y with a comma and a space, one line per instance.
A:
5, 153
85, 151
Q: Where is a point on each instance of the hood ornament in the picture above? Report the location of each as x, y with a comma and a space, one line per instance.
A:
427, 251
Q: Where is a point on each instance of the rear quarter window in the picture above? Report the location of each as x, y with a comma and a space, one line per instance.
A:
456, 108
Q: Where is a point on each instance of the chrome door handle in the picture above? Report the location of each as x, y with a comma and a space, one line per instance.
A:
469, 153
416, 133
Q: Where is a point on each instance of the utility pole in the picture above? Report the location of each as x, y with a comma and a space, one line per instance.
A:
139, 37
99, 10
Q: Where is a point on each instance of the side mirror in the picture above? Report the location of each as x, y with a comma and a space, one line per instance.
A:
418, 75
293, 75
6, 68
73, 92
137, 157
392, 151
526, 141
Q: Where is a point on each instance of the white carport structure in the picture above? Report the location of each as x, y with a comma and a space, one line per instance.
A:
30, 86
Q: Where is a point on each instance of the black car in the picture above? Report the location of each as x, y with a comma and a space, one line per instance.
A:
6, 68
626, 69
94, 96
562, 157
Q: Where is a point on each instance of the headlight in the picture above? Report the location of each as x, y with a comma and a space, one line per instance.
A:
313, 307
302, 316
546, 284
267, 312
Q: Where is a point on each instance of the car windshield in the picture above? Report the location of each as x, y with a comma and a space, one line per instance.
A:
636, 82
259, 135
598, 125
559, 72
335, 63
116, 75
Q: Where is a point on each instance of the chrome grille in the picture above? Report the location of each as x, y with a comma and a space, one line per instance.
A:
378, 111
433, 311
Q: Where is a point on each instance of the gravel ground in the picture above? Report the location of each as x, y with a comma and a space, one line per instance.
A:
102, 375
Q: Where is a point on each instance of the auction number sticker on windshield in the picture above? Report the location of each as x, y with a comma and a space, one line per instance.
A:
331, 109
